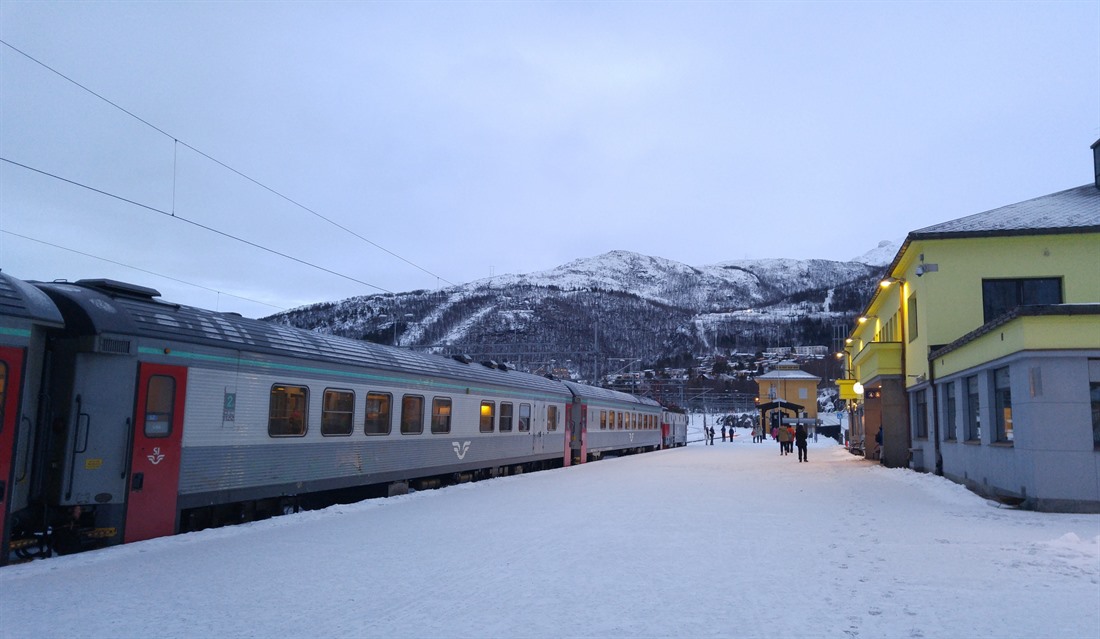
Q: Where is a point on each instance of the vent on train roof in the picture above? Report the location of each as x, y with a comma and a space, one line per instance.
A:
113, 346
114, 288
489, 363
465, 359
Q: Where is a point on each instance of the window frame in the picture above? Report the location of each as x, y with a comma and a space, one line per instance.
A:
1001, 381
1021, 294
419, 422
950, 415
523, 419
439, 417
287, 411
551, 417
367, 421
159, 395
326, 412
973, 408
492, 406
506, 417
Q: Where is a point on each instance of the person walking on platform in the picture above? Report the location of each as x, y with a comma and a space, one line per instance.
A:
784, 437
800, 442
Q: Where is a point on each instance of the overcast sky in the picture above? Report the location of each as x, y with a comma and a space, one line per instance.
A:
478, 138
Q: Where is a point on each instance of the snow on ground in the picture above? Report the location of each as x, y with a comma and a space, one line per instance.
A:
730, 540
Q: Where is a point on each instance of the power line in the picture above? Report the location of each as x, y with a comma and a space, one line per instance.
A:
136, 268
193, 223
222, 164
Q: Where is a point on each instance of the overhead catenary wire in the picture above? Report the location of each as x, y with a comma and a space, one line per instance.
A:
195, 224
177, 141
137, 268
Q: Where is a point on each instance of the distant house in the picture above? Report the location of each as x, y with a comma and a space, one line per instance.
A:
980, 355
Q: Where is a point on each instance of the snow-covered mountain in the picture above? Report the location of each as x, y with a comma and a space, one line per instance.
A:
616, 305
881, 255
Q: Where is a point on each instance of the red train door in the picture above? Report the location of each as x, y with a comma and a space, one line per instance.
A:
155, 461
11, 371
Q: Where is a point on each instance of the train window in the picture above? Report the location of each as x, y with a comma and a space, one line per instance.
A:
378, 414
506, 417
159, 397
336, 412
441, 415
620, 421
487, 416
524, 417
412, 415
286, 414
603, 420
551, 418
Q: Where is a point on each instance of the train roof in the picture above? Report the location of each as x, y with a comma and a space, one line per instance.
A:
92, 307
21, 300
607, 395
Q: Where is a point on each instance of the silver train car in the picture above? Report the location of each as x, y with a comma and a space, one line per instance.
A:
127, 417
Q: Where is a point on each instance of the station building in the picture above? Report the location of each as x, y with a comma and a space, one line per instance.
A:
979, 356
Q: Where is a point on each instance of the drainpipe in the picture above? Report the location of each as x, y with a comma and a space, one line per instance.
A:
935, 415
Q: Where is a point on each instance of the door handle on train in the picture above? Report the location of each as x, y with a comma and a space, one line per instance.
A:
138, 482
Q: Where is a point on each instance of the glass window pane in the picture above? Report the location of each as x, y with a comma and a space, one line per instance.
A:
336, 412
287, 411
378, 414
441, 415
3, 391
412, 415
505, 417
551, 418
486, 420
525, 417
159, 399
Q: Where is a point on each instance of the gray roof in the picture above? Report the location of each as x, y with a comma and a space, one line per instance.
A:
606, 395
780, 373
1074, 210
92, 307
19, 299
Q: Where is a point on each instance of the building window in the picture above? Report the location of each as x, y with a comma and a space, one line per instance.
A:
950, 418
336, 412
551, 418
441, 415
506, 417
912, 308
1001, 296
377, 421
412, 415
1094, 395
973, 410
486, 423
287, 410
1002, 400
524, 417
920, 415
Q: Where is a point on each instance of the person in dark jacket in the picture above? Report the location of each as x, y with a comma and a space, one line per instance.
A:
800, 442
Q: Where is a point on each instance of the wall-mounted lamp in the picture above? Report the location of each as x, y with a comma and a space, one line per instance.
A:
848, 340
863, 318
886, 282
858, 388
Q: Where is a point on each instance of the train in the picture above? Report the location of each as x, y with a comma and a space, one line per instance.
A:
125, 417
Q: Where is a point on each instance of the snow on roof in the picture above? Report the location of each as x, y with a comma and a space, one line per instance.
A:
1076, 209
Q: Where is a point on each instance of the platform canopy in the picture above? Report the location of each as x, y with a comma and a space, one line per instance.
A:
781, 404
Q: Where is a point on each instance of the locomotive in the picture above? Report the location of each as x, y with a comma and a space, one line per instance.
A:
125, 417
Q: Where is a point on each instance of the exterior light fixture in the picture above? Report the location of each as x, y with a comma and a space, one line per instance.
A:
886, 282
863, 318
858, 388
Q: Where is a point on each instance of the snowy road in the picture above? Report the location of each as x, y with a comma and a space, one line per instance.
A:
705, 541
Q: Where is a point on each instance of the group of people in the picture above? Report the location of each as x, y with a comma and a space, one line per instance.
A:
787, 436
708, 434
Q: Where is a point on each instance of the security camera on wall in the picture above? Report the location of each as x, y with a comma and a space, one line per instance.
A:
927, 268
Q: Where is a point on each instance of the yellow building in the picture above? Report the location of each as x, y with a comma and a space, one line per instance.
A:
787, 391
980, 354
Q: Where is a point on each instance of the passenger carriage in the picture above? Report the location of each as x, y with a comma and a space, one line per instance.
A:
605, 422
25, 315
